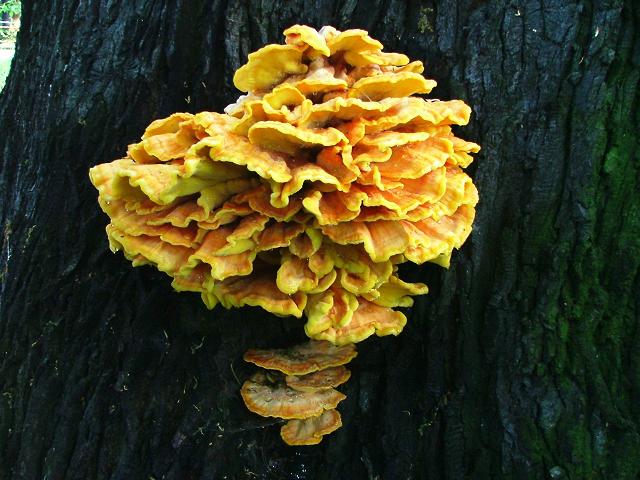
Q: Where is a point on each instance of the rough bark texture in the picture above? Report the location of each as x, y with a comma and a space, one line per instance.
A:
522, 362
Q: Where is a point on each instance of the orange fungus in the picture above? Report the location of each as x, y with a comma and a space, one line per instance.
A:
329, 163
298, 384
303, 198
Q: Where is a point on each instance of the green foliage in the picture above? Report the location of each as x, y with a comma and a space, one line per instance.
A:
8, 35
5, 65
12, 7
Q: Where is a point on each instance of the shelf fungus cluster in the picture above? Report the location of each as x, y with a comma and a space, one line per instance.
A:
307, 193
298, 385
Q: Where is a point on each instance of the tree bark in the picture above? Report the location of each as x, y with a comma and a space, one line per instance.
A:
522, 362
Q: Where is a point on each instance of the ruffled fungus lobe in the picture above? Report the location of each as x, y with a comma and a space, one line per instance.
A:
267, 395
320, 380
302, 359
305, 196
310, 430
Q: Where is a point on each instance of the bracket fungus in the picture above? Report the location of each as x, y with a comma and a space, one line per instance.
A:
266, 395
313, 356
298, 385
306, 195
310, 431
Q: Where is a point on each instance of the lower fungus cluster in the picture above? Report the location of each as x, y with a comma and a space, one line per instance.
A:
298, 385
306, 195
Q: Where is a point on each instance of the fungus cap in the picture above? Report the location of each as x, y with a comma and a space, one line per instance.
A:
303, 358
310, 431
267, 395
321, 380
303, 36
268, 67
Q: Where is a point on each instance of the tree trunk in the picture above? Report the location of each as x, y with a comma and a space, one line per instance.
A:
522, 362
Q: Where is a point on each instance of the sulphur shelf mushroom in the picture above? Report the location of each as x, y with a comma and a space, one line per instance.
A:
310, 430
302, 359
305, 196
321, 380
298, 384
269, 396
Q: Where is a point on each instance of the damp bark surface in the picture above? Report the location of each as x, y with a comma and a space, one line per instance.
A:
522, 362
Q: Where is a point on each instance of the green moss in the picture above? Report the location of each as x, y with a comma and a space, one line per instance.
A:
424, 24
625, 458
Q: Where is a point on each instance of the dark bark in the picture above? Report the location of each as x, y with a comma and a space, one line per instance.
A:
522, 362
